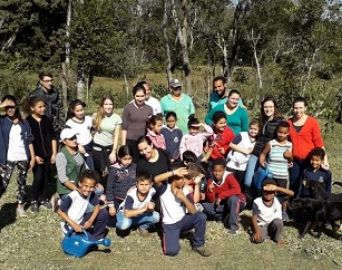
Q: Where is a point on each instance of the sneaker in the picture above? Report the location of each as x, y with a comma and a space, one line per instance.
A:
285, 216
143, 232
202, 251
34, 207
46, 204
234, 232
21, 211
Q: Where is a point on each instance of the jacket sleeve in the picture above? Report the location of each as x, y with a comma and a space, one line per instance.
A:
232, 187
110, 185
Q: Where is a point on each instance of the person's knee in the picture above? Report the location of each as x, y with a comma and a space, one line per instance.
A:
156, 217
103, 215
200, 217
124, 224
277, 223
171, 251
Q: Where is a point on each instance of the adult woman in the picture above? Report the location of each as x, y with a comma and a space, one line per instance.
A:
305, 135
154, 160
237, 116
270, 117
134, 118
107, 128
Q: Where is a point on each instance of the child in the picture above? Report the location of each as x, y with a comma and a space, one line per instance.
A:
16, 149
267, 214
222, 137
223, 196
138, 208
278, 153
121, 177
80, 209
173, 136
174, 204
317, 174
82, 124
241, 149
154, 125
45, 148
195, 139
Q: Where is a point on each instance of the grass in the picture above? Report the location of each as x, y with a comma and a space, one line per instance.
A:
33, 242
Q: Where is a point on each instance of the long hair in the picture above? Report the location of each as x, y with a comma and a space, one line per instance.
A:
73, 104
263, 117
101, 113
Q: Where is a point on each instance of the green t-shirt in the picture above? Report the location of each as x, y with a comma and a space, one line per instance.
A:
104, 136
182, 107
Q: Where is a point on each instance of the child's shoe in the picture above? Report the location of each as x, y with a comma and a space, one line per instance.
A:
46, 204
21, 211
34, 207
202, 251
234, 232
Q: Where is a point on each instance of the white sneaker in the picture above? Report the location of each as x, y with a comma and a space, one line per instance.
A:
21, 211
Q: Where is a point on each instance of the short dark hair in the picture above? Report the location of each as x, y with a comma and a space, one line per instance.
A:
137, 88
269, 181
193, 120
220, 78
88, 174
234, 91
142, 176
219, 162
318, 152
152, 121
283, 124
146, 140
124, 150
218, 116
170, 114
44, 73
300, 99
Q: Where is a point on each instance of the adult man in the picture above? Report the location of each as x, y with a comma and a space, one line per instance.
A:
150, 100
179, 103
219, 94
54, 104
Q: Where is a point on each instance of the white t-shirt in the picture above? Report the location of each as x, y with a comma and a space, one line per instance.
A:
172, 208
133, 202
155, 104
83, 129
16, 147
266, 214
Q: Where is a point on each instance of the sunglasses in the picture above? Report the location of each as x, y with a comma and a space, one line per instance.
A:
9, 107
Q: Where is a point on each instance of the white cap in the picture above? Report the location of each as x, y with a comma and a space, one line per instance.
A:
67, 133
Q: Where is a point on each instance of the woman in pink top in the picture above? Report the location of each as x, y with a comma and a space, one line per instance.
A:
305, 135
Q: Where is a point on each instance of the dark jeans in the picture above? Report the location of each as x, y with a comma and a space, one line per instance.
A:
98, 231
132, 144
171, 232
41, 174
89, 159
295, 174
229, 208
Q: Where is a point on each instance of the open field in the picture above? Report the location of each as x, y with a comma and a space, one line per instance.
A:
33, 242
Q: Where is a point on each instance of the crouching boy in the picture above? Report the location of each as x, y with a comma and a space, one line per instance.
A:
80, 209
179, 213
223, 199
267, 214
138, 208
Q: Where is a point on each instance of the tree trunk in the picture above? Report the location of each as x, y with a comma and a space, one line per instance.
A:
63, 78
167, 44
81, 82
255, 41
309, 70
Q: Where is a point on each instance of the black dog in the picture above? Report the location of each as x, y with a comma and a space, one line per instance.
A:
317, 212
317, 190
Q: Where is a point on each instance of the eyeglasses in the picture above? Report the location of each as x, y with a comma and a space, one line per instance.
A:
51, 80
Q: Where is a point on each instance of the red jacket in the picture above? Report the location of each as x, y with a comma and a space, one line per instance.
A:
222, 140
224, 190
306, 139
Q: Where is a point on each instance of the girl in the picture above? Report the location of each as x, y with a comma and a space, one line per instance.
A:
241, 149
121, 178
82, 124
16, 149
106, 137
173, 136
154, 125
45, 148
222, 137
195, 139
134, 119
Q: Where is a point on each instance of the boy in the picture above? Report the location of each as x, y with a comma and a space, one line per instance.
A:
267, 214
278, 153
316, 174
137, 208
223, 197
174, 203
80, 209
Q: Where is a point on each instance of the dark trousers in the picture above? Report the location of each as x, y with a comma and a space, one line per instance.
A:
6, 173
89, 159
295, 174
98, 231
272, 230
171, 232
229, 208
132, 144
41, 174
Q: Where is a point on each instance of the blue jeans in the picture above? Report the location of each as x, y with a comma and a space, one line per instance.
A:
144, 221
250, 169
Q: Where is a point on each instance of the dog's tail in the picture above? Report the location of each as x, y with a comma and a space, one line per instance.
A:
338, 183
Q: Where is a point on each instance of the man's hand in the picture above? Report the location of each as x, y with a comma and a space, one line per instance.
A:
112, 211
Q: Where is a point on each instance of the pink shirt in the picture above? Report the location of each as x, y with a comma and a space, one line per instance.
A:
157, 139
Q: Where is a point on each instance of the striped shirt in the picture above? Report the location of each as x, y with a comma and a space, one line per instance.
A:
276, 163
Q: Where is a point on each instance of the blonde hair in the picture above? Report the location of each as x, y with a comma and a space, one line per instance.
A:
101, 113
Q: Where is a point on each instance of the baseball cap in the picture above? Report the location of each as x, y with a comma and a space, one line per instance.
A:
175, 83
67, 133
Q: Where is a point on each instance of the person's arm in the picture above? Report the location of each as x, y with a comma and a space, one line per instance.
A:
61, 163
33, 156
263, 155
178, 192
110, 191
158, 179
286, 191
234, 145
62, 212
54, 151
112, 156
197, 191
208, 131
244, 119
125, 116
209, 117
92, 218
182, 147
257, 235
232, 187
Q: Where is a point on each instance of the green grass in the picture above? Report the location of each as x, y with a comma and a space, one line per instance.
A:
33, 242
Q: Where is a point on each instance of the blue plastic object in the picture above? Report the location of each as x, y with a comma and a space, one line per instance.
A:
79, 244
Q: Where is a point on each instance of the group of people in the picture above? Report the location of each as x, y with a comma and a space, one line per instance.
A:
171, 172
